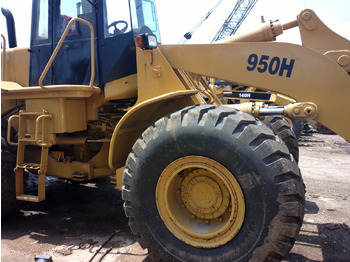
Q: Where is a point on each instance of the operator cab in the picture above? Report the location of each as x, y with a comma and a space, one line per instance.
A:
115, 23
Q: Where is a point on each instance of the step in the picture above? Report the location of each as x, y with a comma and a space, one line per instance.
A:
31, 113
27, 140
29, 166
30, 198
79, 176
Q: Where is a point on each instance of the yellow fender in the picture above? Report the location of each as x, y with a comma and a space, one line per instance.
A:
139, 118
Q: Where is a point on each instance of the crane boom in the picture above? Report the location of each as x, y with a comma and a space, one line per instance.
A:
189, 34
235, 19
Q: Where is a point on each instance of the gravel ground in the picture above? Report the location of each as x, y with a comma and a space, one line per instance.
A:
325, 166
76, 219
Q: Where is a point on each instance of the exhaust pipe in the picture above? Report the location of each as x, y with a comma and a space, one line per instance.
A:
11, 30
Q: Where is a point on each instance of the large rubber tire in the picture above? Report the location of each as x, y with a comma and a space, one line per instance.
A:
298, 126
8, 163
249, 151
281, 127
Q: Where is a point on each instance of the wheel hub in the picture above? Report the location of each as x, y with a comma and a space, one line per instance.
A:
200, 201
203, 196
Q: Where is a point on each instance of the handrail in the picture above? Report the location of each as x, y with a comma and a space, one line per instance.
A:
9, 126
48, 65
37, 125
3, 61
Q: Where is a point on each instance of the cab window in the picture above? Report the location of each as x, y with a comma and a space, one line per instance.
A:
117, 18
41, 23
144, 17
68, 10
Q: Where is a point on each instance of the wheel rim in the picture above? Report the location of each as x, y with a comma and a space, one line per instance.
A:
200, 202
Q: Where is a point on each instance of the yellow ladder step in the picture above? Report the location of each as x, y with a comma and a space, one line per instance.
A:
30, 198
29, 166
41, 168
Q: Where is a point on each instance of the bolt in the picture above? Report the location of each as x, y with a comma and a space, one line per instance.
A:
220, 219
306, 16
296, 111
207, 221
308, 111
343, 60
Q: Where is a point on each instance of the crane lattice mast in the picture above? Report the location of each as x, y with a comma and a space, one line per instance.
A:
235, 19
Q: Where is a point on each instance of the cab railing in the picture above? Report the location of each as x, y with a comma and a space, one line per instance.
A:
63, 37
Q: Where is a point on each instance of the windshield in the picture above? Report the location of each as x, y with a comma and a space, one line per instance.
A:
144, 17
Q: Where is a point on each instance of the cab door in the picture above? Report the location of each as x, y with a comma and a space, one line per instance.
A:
72, 64
41, 43
116, 40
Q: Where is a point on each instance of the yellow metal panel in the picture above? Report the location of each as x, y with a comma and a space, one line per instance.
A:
8, 104
125, 87
315, 34
119, 177
76, 114
151, 85
280, 99
10, 92
93, 103
100, 159
10, 85
69, 115
313, 76
99, 172
16, 65
66, 169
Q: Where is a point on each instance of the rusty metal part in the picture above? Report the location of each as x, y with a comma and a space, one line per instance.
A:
104, 243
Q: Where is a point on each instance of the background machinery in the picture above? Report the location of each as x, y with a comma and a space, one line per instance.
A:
235, 19
231, 23
96, 95
234, 93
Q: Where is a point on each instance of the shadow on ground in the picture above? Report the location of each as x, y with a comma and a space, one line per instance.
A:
328, 241
73, 214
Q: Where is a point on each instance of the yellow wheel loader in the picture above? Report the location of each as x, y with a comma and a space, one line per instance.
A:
97, 95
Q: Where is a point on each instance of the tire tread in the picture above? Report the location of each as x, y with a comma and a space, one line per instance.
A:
276, 156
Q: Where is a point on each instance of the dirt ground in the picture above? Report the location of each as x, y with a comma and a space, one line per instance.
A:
77, 218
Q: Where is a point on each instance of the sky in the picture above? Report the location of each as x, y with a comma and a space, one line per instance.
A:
178, 17
334, 13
